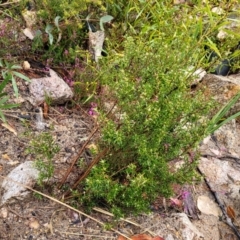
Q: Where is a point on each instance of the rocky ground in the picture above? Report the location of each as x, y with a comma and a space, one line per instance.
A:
31, 217
210, 211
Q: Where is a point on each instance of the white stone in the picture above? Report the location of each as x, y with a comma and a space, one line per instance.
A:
218, 10
4, 212
208, 206
29, 33
221, 35
189, 231
169, 237
198, 75
53, 87
96, 40
13, 185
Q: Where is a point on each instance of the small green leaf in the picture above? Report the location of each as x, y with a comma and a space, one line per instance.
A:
3, 100
8, 106
216, 122
48, 30
38, 33
105, 19
213, 47
1, 63
15, 89
56, 20
21, 76
2, 94
16, 67
88, 17
4, 74
6, 79
2, 116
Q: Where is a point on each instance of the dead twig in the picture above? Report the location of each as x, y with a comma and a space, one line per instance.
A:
9, 3
85, 174
228, 220
14, 212
77, 157
96, 160
50, 226
88, 235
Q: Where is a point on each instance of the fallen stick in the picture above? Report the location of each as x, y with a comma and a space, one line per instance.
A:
77, 157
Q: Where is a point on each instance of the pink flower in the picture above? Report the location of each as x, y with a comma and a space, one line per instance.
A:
92, 111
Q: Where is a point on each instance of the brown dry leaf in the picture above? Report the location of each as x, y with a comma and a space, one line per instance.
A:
137, 237
141, 237
45, 110
34, 223
6, 157
10, 128
93, 147
176, 202
231, 213
157, 238
12, 163
233, 91
120, 237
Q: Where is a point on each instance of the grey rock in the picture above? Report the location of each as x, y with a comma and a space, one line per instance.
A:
53, 87
232, 24
188, 230
169, 237
96, 40
225, 142
229, 137
218, 171
222, 89
24, 174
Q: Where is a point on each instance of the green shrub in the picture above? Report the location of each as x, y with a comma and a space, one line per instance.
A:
159, 119
44, 148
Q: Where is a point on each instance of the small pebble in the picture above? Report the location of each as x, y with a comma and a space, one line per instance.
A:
34, 223
4, 212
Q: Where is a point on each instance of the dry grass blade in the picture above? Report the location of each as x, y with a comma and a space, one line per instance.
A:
88, 235
124, 219
9, 3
